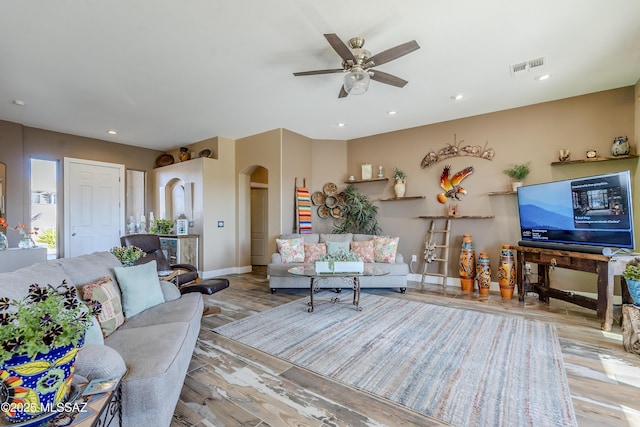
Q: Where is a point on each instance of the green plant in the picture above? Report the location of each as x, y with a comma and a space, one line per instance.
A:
632, 270
339, 256
359, 214
398, 174
161, 226
518, 172
47, 317
127, 255
49, 238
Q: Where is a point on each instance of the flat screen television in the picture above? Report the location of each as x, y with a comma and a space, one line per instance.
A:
583, 214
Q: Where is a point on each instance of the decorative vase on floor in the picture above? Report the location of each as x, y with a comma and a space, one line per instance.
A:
399, 188
467, 264
483, 273
507, 272
41, 383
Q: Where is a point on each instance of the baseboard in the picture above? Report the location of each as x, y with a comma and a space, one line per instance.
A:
224, 271
414, 281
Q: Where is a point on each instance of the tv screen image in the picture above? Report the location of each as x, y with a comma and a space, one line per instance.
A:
591, 211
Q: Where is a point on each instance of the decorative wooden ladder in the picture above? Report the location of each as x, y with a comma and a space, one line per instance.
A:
437, 251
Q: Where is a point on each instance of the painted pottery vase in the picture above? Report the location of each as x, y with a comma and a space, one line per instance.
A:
467, 267
400, 188
507, 272
634, 291
483, 273
34, 386
620, 146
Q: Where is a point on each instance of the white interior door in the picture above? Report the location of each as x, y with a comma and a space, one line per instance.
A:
94, 206
259, 227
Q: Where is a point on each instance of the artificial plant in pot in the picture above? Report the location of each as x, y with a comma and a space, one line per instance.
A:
39, 339
517, 172
339, 262
631, 275
401, 179
127, 255
359, 214
161, 226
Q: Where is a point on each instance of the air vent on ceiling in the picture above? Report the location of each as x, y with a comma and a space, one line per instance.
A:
526, 66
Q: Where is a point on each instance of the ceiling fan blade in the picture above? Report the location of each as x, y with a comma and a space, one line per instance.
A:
343, 93
340, 48
313, 73
387, 78
394, 53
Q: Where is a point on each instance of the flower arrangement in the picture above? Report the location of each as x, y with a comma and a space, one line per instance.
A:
20, 228
399, 175
127, 255
161, 226
632, 270
46, 318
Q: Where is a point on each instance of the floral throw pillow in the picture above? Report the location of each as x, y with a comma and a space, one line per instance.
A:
104, 291
291, 250
385, 248
312, 252
364, 250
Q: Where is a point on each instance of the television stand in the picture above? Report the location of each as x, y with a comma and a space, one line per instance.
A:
606, 267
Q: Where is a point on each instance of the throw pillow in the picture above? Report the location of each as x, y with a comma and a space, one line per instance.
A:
291, 250
364, 250
312, 252
333, 247
104, 292
140, 287
385, 248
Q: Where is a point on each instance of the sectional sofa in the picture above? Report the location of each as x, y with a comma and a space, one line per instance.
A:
152, 349
280, 278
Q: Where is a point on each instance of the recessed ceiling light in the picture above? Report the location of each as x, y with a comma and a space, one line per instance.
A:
543, 77
112, 132
18, 102
457, 97
392, 112
341, 125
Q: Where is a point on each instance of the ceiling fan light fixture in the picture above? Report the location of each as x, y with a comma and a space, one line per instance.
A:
356, 81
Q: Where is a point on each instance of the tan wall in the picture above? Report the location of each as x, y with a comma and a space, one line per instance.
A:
20, 143
296, 167
528, 134
329, 159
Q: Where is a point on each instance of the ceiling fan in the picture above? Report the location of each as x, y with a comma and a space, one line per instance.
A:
357, 64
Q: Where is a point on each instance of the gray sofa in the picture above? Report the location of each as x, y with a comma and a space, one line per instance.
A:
152, 349
280, 278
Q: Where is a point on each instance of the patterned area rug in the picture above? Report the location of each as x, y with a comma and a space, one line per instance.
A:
460, 366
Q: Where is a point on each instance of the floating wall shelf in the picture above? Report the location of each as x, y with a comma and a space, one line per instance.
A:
597, 159
359, 181
393, 199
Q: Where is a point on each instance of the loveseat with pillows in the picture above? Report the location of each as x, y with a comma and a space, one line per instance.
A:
146, 331
303, 249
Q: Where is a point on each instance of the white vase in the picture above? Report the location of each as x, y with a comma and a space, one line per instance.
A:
399, 188
515, 185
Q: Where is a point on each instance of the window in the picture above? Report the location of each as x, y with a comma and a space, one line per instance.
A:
44, 204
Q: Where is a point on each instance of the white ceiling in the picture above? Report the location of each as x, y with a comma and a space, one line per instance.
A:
165, 73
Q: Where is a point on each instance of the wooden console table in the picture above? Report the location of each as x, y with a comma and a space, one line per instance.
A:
606, 267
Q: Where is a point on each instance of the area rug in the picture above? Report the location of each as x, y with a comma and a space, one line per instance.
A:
460, 366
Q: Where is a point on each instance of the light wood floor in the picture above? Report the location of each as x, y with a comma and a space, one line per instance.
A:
229, 384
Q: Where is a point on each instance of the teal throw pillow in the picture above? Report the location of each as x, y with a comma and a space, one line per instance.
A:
333, 247
94, 333
140, 287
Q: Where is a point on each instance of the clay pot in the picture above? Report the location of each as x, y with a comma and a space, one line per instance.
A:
507, 272
467, 267
483, 274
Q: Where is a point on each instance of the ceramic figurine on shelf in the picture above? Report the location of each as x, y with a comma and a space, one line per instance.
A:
564, 154
620, 146
184, 154
380, 174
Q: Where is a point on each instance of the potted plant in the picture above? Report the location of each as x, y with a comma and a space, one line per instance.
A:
39, 339
358, 214
400, 186
631, 275
127, 255
161, 226
517, 173
339, 262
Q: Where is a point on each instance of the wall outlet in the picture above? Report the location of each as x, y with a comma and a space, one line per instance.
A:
414, 258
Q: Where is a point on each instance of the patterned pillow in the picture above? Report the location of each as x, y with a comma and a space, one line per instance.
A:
385, 248
104, 291
312, 251
291, 250
364, 250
